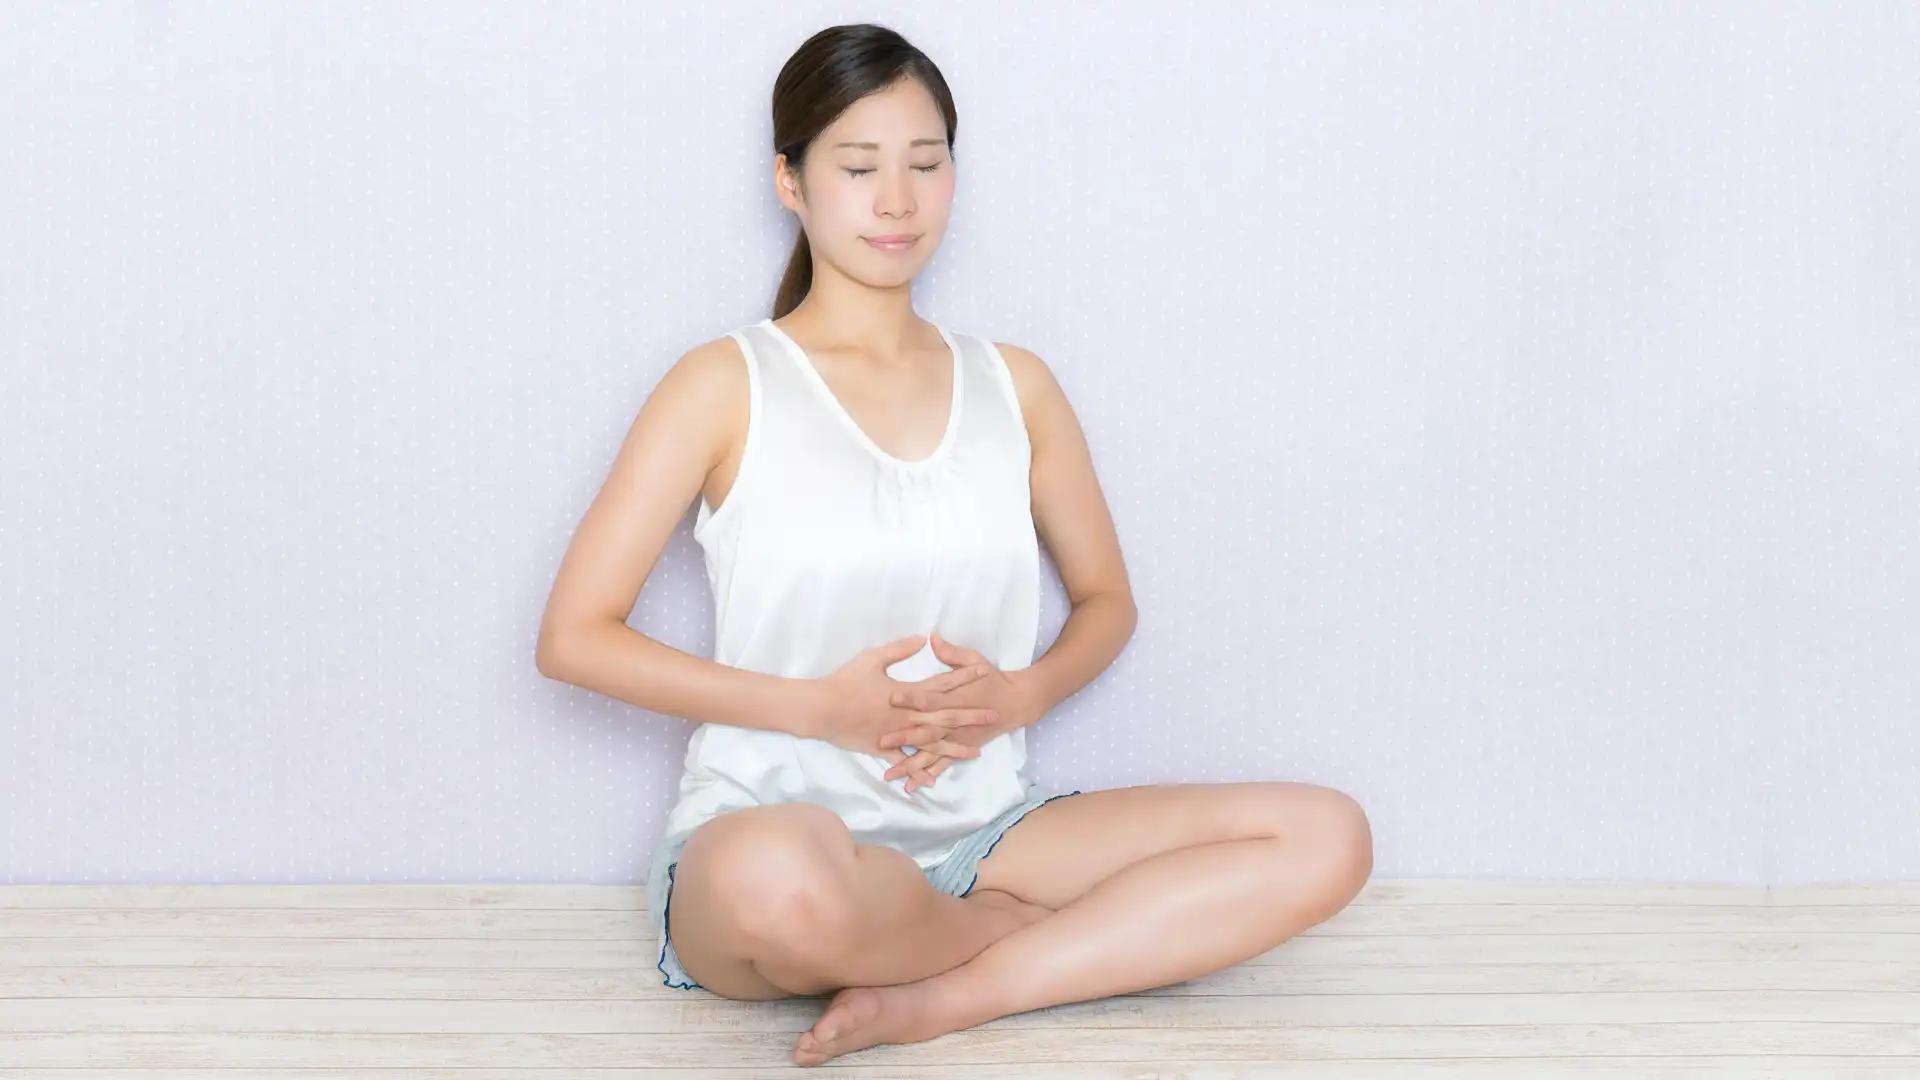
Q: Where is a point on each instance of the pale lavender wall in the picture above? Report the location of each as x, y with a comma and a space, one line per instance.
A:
1509, 412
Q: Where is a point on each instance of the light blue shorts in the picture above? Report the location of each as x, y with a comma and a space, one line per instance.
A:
955, 875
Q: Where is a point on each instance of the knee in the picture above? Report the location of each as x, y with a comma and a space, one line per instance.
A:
1348, 837
781, 872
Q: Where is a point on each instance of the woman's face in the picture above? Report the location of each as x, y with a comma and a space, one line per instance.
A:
895, 180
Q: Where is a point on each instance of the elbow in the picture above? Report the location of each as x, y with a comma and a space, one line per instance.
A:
569, 648
1117, 610
550, 656
1127, 612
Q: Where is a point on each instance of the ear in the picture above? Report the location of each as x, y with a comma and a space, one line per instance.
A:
787, 186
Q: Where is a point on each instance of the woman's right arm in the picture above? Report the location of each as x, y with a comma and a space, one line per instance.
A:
691, 423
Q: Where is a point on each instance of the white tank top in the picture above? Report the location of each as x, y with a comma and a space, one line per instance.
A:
825, 546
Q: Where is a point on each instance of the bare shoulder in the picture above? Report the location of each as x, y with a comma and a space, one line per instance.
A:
1030, 373
713, 370
704, 391
1042, 400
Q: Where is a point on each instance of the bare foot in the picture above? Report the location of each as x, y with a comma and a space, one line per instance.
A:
863, 1016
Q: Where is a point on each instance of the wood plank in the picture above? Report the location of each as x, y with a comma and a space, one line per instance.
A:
1466, 950
597, 984
977, 1046
1906, 893
591, 925
216, 1016
1776, 1067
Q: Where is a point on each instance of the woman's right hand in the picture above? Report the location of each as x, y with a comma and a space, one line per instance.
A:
855, 705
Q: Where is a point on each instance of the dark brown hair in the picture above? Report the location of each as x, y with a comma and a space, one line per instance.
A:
823, 78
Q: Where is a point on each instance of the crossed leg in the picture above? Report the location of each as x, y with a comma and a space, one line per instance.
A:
1149, 886
778, 900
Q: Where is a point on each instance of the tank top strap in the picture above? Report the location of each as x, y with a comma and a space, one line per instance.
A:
789, 431
766, 384
991, 378
797, 418
775, 372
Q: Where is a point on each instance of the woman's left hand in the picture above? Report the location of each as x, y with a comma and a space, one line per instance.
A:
996, 689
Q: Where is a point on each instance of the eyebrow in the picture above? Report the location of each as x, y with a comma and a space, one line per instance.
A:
876, 146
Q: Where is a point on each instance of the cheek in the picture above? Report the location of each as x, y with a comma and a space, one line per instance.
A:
842, 208
937, 204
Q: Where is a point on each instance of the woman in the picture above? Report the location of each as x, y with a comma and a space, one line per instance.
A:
870, 489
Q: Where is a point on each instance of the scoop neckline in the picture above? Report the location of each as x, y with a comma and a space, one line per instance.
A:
819, 382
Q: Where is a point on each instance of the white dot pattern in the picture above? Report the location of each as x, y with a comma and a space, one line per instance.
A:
1509, 420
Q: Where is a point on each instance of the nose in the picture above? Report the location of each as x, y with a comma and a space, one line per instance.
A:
895, 198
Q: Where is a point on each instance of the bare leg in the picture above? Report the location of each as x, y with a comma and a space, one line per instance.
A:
779, 900
901, 930
1171, 917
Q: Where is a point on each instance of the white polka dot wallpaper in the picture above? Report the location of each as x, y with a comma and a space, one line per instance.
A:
1510, 414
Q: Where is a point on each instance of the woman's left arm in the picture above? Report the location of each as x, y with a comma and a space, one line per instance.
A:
1071, 515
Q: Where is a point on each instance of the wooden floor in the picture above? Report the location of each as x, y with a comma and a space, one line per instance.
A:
1420, 979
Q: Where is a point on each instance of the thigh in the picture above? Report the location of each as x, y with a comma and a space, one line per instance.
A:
1059, 851
731, 872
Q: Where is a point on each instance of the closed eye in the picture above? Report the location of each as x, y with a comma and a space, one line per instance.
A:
863, 172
